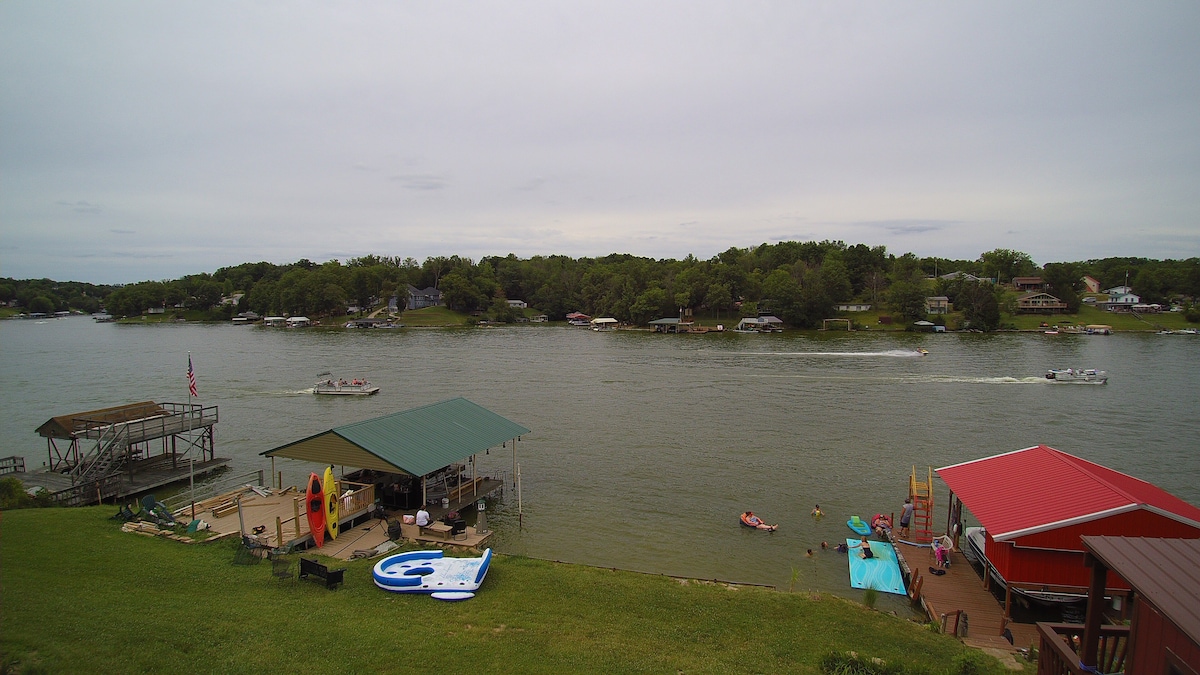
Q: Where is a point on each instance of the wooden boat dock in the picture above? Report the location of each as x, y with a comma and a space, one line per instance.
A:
274, 518
960, 593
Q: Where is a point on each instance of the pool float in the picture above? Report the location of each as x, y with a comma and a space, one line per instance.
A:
314, 505
743, 520
331, 504
431, 572
881, 571
855, 523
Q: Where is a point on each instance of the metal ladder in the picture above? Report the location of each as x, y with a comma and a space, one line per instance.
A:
921, 494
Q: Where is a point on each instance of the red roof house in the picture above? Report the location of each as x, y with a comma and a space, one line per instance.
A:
1036, 504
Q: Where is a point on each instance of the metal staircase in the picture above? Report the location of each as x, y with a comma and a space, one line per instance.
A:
109, 456
921, 494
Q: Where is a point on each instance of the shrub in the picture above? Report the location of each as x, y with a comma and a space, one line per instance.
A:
870, 597
850, 663
972, 663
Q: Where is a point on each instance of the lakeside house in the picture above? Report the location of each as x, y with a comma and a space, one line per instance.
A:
518, 304
1028, 283
421, 298
1091, 284
937, 304
853, 307
1040, 302
964, 276
1121, 299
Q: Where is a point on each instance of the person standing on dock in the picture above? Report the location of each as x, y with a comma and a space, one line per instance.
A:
905, 517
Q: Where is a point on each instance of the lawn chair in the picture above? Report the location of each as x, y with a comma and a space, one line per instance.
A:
281, 565
250, 551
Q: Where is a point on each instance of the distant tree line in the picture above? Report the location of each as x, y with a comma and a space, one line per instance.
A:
801, 282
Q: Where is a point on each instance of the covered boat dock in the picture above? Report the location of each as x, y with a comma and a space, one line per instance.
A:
124, 450
1036, 504
423, 456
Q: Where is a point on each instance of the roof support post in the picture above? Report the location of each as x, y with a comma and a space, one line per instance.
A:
1095, 611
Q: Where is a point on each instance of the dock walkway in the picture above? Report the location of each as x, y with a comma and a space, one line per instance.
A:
960, 588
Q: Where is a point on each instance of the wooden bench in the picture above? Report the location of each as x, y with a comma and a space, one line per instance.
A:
331, 578
437, 529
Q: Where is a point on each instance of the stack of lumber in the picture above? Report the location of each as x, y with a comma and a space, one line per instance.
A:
151, 530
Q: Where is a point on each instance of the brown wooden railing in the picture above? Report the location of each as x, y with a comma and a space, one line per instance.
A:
1061, 642
363, 495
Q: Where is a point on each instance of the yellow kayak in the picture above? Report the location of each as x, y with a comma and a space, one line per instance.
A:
331, 504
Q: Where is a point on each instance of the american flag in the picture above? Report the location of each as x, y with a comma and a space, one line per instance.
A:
191, 377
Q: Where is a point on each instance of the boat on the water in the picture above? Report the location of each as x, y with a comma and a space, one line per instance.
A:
332, 386
1077, 375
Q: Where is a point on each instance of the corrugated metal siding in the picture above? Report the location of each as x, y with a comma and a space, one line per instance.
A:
1140, 523
329, 448
417, 441
1041, 487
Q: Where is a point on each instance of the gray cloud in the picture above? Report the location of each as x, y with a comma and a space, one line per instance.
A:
660, 130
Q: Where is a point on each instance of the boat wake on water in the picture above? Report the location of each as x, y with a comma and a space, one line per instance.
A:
891, 353
975, 380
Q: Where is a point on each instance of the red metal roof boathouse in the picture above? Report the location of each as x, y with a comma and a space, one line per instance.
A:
1036, 504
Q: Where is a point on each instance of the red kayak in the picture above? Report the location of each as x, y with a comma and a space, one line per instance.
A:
315, 505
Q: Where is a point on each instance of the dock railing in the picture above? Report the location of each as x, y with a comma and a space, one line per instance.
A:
1058, 652
362, 495
12, 464
213, 488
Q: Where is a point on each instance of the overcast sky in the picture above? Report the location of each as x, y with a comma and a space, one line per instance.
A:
149, 140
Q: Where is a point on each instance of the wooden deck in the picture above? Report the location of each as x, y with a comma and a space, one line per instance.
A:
284, 523
960, 588
138, 477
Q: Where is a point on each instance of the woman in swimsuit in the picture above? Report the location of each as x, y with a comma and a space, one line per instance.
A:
751, 520
866, 548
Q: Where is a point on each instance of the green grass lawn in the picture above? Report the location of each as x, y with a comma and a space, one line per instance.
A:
427, 317
1120, 321
79, 595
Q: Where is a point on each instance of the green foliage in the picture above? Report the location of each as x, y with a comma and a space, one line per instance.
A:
907, 299
1003, 264
870, 598
13, 495
850, 663
799, 281
972, 663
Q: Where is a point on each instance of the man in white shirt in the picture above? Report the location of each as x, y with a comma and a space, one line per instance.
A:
422, 517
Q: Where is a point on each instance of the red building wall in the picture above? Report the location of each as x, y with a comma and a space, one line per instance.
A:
1150, 637
1028, 560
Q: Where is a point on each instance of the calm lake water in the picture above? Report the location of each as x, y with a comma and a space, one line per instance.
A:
646, 447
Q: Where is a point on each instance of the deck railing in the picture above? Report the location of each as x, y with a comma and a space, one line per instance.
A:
12, 464
361, 496
1058, 653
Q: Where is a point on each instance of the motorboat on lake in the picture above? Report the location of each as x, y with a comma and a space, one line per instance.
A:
332, 386
1077, 375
